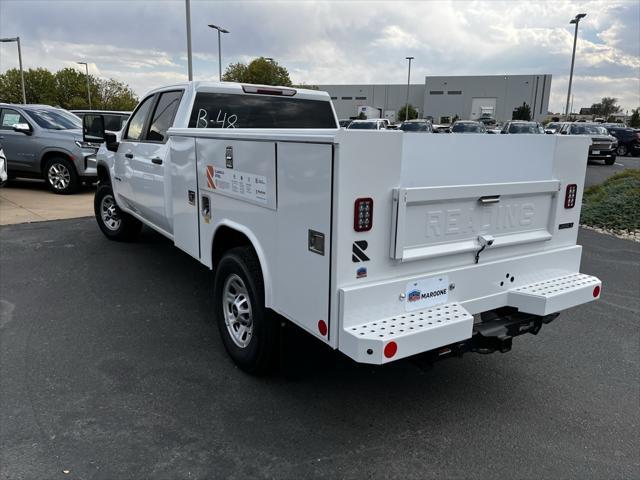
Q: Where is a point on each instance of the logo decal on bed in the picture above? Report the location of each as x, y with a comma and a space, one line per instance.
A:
210, 175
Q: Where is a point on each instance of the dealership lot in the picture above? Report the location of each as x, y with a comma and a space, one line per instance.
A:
112, 375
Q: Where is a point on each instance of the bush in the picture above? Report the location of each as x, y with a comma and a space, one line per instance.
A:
614, 204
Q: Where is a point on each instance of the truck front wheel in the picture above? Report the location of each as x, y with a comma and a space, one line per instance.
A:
114, 223
248, 330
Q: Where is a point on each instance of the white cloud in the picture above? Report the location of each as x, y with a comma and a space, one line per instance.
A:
339, 42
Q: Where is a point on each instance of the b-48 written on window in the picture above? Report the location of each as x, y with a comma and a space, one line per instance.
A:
225, 110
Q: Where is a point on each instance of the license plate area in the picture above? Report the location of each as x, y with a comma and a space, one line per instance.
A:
438, 221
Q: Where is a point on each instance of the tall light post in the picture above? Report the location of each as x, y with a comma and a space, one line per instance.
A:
575, 21
189, 57
86, 69
220, 30
17, 40
406, 112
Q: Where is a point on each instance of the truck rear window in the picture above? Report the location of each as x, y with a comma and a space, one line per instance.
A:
223, 110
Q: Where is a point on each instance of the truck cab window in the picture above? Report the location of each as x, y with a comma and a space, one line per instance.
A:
223, 110
163, 115
134, 130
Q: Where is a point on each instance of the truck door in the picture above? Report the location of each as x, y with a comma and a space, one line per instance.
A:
148, 161
131, 137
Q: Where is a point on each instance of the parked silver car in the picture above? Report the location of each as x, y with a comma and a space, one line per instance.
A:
40, 141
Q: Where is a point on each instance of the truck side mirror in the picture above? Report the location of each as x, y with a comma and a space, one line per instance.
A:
111, 140
22, 128
93, 128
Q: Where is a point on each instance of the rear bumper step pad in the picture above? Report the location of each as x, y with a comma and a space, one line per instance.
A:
392, 338
556, 294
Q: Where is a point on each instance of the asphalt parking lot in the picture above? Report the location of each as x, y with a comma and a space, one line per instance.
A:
111, 367
598, 172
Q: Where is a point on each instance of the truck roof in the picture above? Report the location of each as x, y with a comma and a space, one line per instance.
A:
240, 88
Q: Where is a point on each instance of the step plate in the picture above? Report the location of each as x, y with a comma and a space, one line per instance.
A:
556, 294
414, 332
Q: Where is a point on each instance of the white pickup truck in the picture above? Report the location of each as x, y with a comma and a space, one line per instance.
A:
383, 245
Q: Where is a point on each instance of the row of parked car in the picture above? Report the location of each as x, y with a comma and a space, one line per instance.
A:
609, 140
40, 141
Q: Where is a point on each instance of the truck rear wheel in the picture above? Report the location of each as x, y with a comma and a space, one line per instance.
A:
114, 223
248, 330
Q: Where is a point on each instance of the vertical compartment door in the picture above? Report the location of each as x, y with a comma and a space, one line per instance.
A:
304, 234
184, 194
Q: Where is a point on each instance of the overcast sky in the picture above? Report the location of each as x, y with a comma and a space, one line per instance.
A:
143, 42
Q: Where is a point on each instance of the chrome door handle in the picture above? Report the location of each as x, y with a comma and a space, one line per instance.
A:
156, 160
489, 199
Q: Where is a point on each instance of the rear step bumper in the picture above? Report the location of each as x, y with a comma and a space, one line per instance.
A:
452, 326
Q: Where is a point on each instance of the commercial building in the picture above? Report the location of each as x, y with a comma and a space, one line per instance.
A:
444, 98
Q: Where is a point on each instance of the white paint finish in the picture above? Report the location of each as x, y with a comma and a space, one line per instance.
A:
413, 333
183, 179
253, 158
555, 294
476, 287
304, 203
448, 160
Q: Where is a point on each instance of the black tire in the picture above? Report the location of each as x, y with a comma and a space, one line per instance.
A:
115, 224
622, 150
610, 161
258, 356
61, 176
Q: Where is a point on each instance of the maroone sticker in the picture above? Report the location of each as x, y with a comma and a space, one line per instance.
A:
426, 293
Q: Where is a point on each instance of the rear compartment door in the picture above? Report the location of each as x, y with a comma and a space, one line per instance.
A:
439, 221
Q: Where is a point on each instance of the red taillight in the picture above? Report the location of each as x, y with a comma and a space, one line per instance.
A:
390, 349
570, 195
596, 291
287, 92
363, 215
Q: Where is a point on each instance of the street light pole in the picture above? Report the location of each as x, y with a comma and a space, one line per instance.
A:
86, 68
189, 59
575, 21
17, 40
406, 111
220, 30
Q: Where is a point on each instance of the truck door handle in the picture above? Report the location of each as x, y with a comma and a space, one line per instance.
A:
156, 160
128, 155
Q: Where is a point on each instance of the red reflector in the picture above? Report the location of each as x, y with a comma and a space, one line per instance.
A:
322, 328
363, 215
570, 195
596, 291
287, 92
390, 349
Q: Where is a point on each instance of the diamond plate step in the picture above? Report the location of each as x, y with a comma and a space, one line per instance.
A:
553, 295
412, 332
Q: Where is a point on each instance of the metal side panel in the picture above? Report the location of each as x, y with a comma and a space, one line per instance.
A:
387, 339
556, 294
184, 195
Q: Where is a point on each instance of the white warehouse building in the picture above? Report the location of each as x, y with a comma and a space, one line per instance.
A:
443, 98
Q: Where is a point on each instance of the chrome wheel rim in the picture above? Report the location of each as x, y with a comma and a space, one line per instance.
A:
59, 176
622, 150
238, 315
109, 213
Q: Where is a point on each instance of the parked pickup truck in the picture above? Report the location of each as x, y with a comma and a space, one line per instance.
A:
380, 244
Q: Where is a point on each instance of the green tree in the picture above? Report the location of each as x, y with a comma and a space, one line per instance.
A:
606, 107
66, 88
402, 112
260, 70
634, 121
523, 112
361, 116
